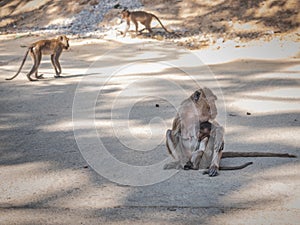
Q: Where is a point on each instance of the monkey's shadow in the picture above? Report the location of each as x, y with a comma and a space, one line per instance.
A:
78, 75
143, 33
49, 77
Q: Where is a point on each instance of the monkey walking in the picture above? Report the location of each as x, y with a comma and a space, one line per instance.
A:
53, 47
143, 17
196, 143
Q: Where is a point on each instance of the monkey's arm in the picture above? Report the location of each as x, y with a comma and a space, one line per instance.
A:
218, 134
197, 155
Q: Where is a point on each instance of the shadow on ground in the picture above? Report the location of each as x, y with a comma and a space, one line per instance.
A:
46, 180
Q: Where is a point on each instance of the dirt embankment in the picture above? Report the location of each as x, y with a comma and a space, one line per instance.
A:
197, 23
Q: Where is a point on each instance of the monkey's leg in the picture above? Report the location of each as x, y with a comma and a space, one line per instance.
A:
184, 150
215, 165
149, 29
194, 162
172, 151
147, 26
217, 133
38, 76
32, 54
197, 155
178, 147
58, 67
56, 64
170, 144
36, 58
53, 64
136, 27
181, 150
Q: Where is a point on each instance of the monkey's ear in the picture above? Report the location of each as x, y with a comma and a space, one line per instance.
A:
196, 96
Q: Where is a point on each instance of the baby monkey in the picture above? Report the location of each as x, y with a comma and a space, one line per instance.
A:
203, 136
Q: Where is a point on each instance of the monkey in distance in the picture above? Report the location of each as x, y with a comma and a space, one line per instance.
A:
143, 17
52, 47
196, 140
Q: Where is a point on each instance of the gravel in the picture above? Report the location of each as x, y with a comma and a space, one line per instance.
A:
85, 23
87, 20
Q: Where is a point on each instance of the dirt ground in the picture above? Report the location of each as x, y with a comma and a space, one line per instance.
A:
199, 23
120, 94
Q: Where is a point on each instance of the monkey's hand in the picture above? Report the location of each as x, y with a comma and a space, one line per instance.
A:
188, 166
212, 171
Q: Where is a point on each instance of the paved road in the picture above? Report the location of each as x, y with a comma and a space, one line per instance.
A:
89, 148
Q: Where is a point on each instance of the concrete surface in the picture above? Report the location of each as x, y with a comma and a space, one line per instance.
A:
108, 100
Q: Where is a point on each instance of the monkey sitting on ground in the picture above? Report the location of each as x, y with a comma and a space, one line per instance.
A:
53, 47
196, 143
143, 17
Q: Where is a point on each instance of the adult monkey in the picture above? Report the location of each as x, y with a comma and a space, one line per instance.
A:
196, 143
143, 17
53, 47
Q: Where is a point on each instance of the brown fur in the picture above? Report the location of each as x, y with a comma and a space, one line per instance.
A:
143, 17
196, 143
53, 47
186, 130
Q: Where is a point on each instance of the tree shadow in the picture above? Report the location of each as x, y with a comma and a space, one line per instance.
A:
44, 169
234, 18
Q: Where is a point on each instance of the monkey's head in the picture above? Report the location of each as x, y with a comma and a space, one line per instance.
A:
125, 13
205, 128
64, 41
204, 100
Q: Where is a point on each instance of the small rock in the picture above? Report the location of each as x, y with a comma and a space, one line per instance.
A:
157, 105
248, 113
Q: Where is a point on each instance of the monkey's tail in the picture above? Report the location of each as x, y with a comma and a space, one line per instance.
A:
256, 154
24, 59
161, 23
235, 167
169, 144
251, 154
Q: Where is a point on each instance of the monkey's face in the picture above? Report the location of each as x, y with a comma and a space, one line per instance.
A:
205, 99
65, 41
211, 101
